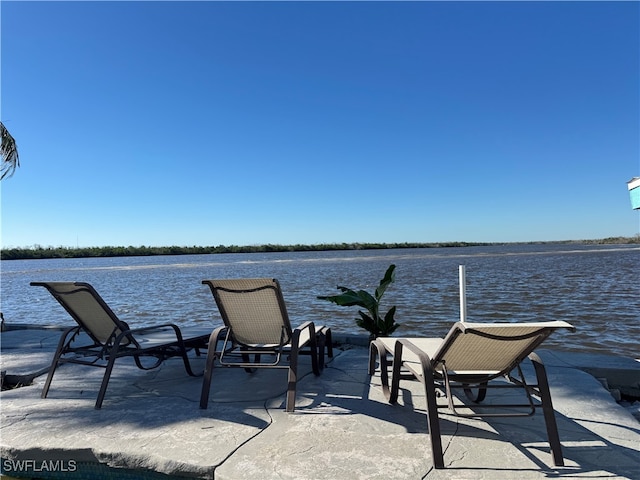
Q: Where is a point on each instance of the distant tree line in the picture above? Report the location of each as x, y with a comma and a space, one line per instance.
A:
40, 252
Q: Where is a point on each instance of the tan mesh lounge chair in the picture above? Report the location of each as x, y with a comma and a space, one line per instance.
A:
109, 338
468, 358
257, 333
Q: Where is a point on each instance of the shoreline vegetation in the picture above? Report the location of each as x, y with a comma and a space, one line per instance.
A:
38, 252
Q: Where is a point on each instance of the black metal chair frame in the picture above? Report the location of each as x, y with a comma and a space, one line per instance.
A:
438, 381
122, 342
237, 354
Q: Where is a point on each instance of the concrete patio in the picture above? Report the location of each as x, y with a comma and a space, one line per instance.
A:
150, 425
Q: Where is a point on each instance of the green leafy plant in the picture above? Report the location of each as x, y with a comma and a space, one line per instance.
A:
371, 320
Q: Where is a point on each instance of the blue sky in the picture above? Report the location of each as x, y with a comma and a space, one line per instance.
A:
209, 123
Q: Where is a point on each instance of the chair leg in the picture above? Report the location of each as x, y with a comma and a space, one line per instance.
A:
328, 341
47, 383
547, 409
372, 359
185, 360
321, 341
105, 381
479, 396
56, 359
313, 345
187, 366
428, 382
206, 379
208, 368
325, 345
292, 380
432, 417
377, 348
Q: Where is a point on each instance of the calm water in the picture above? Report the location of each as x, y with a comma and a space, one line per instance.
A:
595, 288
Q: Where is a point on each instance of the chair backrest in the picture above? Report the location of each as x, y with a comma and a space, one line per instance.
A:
491, 347
253, 309
88, 309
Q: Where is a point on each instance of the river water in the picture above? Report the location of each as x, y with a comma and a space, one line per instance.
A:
595, 288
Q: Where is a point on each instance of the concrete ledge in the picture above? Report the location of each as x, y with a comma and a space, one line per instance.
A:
618, 372
8, 327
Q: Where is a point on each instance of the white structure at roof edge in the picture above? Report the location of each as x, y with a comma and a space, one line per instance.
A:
634, 192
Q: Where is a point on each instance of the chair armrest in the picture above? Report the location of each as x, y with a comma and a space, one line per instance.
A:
214, 338
401, 343
155, 327
297, 332
425, 375
130, 333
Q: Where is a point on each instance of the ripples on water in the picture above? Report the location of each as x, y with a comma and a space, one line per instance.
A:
595, 288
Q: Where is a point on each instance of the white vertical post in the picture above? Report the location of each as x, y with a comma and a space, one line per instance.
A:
463, 293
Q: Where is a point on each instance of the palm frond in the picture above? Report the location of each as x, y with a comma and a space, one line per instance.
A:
9, 152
